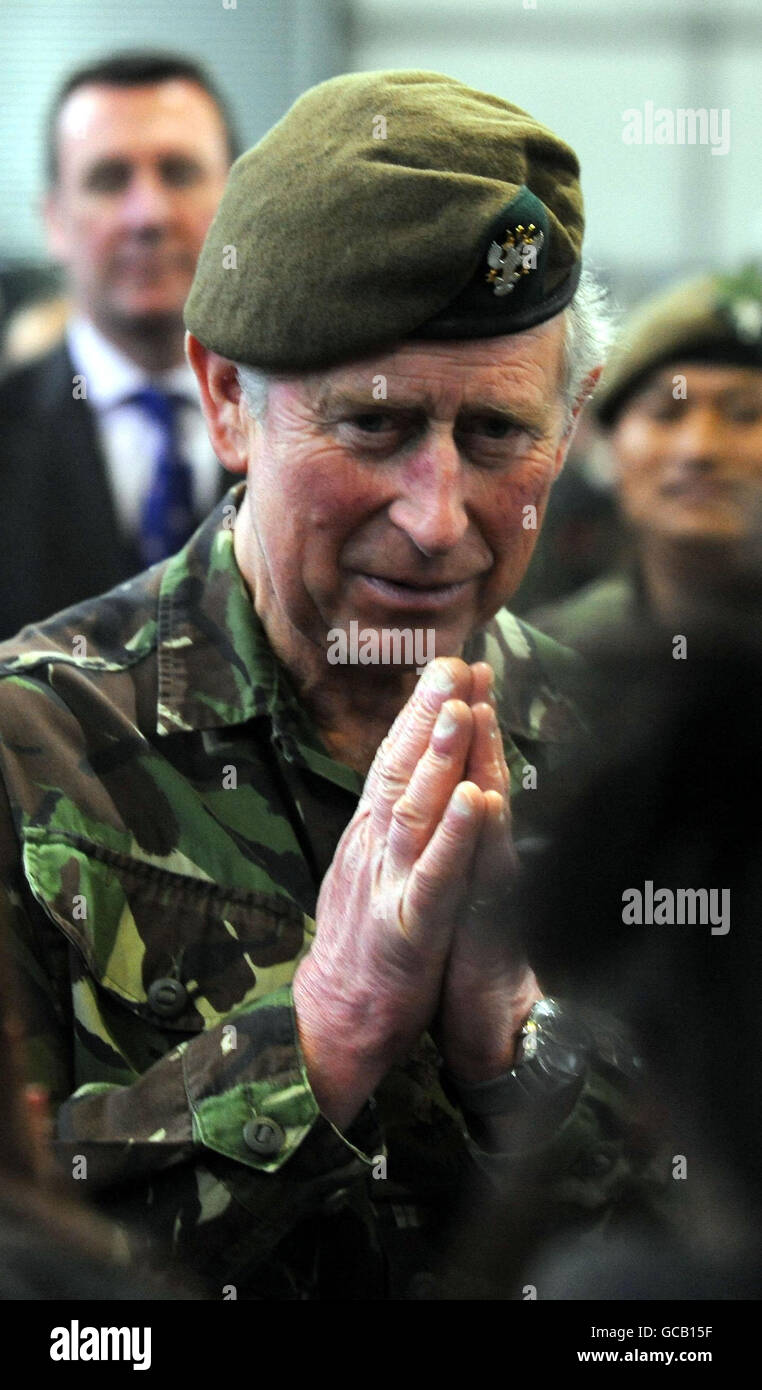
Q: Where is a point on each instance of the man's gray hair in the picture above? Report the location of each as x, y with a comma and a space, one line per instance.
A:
589, 331
255, 386
590, 328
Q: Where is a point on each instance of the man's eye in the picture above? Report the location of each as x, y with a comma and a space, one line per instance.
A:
665, 410
491, 426
108, 178
180, 173
492, 440
373, 423
750, 414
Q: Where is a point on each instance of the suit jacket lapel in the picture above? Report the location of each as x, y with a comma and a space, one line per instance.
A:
85, 507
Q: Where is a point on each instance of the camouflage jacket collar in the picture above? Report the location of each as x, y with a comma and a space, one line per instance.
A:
216, 667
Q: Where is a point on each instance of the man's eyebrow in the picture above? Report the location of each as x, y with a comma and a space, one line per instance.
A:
178, 157
328, 399
742, 388
524, 416
656, 389
104, 162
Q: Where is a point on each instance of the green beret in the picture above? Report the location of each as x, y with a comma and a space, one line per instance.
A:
388, 205
714, 318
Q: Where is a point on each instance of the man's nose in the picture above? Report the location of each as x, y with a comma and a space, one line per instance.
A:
701, 439
146, 202
430, 507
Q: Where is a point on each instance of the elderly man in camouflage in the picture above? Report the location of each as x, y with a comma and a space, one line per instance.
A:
261, 897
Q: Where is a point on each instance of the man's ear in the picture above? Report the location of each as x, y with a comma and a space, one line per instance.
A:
586, 391
227, 418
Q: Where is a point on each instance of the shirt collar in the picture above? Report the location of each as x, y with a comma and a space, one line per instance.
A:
216, 667
111, 375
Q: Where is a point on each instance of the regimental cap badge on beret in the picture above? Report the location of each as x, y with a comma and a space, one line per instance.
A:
747, 319
739, 302
515, 256
514, 284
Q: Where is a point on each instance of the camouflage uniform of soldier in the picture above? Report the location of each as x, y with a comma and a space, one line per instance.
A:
171, 812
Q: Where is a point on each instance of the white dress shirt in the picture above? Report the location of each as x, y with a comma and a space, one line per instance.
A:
130, 440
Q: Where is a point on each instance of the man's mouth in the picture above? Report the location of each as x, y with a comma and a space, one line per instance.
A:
415, 593
151, 262
697, 489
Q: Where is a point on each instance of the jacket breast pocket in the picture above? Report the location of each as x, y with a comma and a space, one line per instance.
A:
178, 952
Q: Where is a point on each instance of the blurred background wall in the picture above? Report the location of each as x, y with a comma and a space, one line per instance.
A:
263, 53
653, 210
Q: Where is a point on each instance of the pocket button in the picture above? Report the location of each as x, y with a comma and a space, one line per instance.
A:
167, 998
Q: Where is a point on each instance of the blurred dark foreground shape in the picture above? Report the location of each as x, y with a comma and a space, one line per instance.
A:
671, 786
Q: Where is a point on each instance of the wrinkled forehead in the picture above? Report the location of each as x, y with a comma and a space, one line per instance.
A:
503, 372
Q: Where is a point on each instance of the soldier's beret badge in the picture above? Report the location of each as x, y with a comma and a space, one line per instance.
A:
515, 256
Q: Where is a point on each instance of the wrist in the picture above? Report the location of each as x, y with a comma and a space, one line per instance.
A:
341, 1073
542, 1086
485, 1044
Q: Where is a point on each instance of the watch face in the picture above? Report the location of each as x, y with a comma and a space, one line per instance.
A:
547, 1076
558, 1044
545, 1009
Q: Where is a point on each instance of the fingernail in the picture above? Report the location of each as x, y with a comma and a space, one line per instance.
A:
445, 724
437, 677
460, 803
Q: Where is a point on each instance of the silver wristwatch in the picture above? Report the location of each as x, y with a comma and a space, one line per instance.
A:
548, 1074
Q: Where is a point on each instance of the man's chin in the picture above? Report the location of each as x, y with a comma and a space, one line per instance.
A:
710, 531
403, 641
146, 320
152, 338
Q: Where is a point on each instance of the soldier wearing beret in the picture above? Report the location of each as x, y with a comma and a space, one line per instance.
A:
681, 404
274, 990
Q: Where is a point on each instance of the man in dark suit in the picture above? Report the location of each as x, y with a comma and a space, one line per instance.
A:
104, 460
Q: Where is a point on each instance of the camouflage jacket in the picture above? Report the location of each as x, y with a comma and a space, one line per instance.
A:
604, 609
170, 814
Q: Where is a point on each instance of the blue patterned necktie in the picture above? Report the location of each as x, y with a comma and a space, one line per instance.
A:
167, 517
